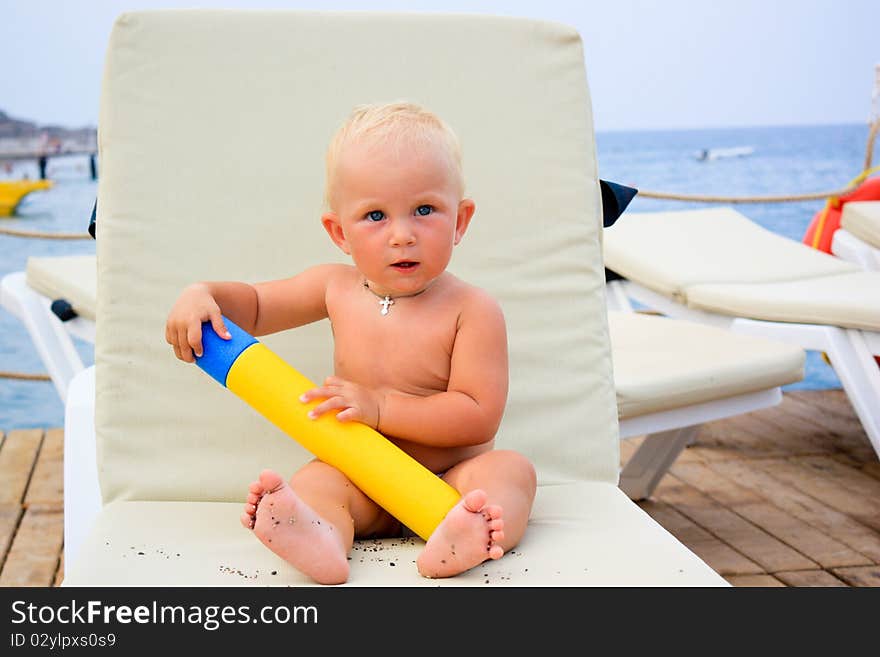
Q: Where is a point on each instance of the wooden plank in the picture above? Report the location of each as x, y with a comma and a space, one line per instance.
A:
835, 438
33, 558
871, 469
742, 436
46, 486
835, 524
9, 517
809, 578
846, 427
824, 488
16, 462
760, 511
719, 556
754, 580
756, 544
859, 575
796, 435
828, 402
862, 485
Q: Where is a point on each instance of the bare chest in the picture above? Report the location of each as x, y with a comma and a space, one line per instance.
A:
408, 349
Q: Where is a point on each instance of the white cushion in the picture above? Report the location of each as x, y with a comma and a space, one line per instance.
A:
213, 129
580, 534
848, 300
862, 219
718, 260
661, 363
669, 251
72, 278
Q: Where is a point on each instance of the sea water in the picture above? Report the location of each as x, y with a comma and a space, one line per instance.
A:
784, 161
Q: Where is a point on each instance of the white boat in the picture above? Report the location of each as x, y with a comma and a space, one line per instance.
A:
718, 153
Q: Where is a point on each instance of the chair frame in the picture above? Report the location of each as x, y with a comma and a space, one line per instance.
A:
851, 351
52, 338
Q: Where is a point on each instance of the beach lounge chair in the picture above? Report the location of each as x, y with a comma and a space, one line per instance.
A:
52, 288
858, 238
671, 376
718, 267
212, 131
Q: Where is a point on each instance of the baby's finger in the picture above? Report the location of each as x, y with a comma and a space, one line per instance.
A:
334, 403
219, 327
194, 338
177, 352
316, 393
183, 344
350, 414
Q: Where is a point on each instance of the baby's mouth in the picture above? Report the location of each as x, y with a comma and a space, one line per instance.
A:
405, 264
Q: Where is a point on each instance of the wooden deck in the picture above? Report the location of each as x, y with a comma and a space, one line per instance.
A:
788, 496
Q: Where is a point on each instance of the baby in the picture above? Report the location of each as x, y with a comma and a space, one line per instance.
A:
419, 355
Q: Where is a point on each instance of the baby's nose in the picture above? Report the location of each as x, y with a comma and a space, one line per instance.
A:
402, 233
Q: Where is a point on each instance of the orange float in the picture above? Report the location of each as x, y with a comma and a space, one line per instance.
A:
827, 220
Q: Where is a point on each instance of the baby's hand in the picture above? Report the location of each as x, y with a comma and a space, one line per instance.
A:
356, 401
183, 329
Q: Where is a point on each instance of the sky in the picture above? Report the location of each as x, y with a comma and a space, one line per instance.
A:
651, 64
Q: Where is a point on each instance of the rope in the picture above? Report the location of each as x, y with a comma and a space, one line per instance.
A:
744, 199
48, 236
23, 376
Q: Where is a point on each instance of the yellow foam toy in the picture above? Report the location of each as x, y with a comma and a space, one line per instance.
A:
389, 476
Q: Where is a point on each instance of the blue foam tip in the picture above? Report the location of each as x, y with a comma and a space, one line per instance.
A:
218, 354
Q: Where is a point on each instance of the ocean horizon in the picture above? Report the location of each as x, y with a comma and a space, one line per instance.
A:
784, 160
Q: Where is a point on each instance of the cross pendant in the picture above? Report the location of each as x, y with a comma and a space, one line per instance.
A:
386, 303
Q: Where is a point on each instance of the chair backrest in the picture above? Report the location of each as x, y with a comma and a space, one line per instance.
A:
213, 129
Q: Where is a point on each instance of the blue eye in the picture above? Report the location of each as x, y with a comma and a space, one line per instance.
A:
424, 210
375, 215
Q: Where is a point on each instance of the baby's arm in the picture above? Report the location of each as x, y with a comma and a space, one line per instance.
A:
259, 309
470, 411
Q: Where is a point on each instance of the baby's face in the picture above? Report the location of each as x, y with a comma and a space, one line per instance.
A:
399, 213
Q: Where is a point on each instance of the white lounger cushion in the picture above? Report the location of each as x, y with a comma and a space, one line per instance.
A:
185, 195
661, 363
580, 534
862, 219
719, 260
849, 300
72, 278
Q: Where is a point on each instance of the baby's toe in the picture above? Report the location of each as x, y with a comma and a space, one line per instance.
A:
492, 511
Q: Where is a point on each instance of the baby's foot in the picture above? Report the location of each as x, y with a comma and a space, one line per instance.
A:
468, 535
288, 526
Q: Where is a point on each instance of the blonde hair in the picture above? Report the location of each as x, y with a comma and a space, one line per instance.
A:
393, 124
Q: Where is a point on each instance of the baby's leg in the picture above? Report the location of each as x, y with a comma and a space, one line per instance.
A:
498, 489
311, 522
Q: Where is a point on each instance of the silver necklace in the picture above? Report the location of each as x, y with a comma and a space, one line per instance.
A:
386, 300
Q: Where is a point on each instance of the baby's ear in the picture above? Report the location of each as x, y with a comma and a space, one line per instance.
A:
332, 225
466, 208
